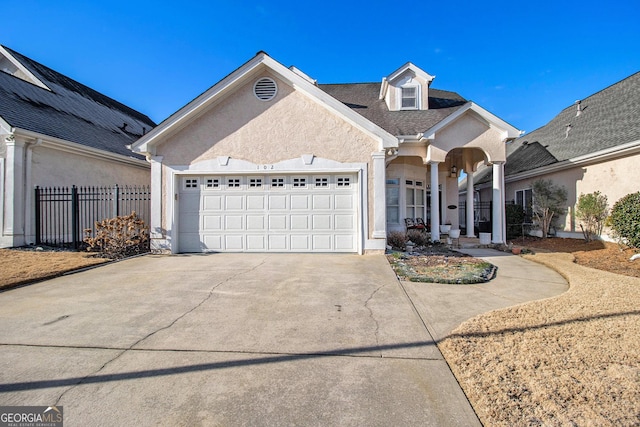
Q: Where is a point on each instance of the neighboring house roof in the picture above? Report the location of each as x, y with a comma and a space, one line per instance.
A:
69, 110
364, 99
607, 119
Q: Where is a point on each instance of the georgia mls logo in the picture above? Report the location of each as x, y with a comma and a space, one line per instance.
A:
31, 416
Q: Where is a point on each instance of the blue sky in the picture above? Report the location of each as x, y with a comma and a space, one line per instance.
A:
523, 61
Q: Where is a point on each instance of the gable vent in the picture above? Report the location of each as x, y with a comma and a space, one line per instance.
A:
265, 89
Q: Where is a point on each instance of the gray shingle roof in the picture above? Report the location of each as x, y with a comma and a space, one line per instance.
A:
609, 118
363, 98
70, 111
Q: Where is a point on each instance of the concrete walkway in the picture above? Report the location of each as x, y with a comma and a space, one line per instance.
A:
248, 339
444, 307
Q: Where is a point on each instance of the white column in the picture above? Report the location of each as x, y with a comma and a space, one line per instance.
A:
14, 193
498, 203
470, 208
435, 202
156, 199
379, 196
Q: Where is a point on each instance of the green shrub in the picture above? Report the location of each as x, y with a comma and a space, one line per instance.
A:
592, 211
418, 237
119, 237
625, 220
515, 217
397, 240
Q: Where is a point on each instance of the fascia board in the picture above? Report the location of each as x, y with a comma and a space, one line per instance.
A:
509, 131
5, 127
32, 78
75, 148
145, 143
612, 153
409, 66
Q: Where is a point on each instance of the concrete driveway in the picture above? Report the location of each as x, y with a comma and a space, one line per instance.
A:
228, 340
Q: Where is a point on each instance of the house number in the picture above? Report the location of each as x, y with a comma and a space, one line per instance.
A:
265, 167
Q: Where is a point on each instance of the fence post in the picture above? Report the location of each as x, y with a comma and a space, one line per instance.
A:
116, 201
38, 216
75, 217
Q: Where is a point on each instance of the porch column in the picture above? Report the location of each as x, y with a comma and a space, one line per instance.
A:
155, 227
498, 203
470, 207
14, 191
435, 202
379, 196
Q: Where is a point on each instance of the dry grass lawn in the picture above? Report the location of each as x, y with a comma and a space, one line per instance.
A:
572, 360
25, 266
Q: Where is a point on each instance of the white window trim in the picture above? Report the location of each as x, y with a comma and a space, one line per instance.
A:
418, 96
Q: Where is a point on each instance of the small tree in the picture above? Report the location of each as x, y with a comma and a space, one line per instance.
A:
625, 220
592, 210
549, 201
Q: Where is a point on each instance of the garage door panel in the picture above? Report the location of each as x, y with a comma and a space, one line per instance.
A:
322, 242
233, 222
299, 202
278, 242
278, 202
321, 222
296, 214
344, 201
322, 201
212, 222
300, 243
344, 222
256, 222
234, 202
212, 202
256, 242
255, 203
234, 242
300, 222
278, 222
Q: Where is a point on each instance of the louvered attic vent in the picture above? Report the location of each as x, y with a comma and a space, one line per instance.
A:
265, 89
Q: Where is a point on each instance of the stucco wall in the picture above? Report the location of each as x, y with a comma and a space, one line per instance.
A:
52, 167
243, 127
469, 132
614, 179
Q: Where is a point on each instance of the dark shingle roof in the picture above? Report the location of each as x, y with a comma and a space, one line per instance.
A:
609, 118
70, 111
363, 98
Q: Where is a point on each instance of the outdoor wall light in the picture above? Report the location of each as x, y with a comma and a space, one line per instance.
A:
454, 171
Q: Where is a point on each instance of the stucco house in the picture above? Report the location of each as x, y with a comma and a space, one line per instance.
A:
591, 145
55, 131
267, 159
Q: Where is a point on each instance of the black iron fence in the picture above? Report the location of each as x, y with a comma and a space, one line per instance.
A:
481, 216
64, 213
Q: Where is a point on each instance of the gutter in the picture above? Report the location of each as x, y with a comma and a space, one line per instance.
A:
75, 148
584, 160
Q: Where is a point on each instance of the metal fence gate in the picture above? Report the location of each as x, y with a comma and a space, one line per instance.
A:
65, 215
482, 216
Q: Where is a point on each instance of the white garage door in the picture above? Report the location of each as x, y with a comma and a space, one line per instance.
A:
285, 213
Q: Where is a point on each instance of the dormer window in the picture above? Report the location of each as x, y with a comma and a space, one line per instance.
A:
409, 98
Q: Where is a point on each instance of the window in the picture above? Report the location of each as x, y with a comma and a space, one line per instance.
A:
299, 182
343, 182
212, 183
393, 201
524, 198
233, 182
415, 199
277, 182
191, 183
255, 182
409, 97
322, 182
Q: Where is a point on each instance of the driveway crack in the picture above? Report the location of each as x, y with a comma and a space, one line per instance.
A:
131, 347
371, 315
